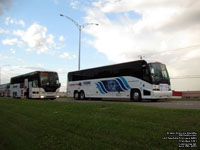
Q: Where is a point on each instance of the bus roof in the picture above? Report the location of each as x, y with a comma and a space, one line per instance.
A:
124, 63
32, 73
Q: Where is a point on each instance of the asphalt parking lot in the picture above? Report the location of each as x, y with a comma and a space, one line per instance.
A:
183, 104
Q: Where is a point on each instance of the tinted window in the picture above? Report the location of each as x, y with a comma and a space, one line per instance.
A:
146, 74
125, 69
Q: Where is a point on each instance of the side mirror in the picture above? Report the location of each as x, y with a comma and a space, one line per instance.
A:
59, 85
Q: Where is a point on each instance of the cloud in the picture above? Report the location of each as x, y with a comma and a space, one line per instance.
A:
26, 68
10, 59
8, 72
4, 5
8, 21
156, 29
31, 68
12, 51
61, 38
74, 4
37, 39
151, 28
13, 41
66, 55
2, 31
63, 71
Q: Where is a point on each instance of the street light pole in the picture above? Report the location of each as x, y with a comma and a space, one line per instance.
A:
79, 49
79, 28
0, 75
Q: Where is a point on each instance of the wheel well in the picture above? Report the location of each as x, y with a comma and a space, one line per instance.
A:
75, 92
82, 91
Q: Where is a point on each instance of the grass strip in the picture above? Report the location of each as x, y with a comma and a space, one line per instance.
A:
32, 124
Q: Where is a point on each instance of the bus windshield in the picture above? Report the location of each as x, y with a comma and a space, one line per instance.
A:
49, 79
159, 73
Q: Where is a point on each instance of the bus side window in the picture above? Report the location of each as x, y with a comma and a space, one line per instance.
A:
35, 83
146, 75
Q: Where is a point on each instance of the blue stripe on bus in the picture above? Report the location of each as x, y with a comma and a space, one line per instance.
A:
121, 83
102, 87
120, 89
125, 82
98, 86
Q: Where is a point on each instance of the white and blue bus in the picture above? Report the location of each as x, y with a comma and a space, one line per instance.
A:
135, 80
38, 84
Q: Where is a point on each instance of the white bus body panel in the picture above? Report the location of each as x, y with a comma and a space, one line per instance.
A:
16, 91
120, 87
161, 94
40, 93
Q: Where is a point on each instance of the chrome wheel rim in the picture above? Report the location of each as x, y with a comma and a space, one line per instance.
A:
76, 95
136, 96
82, 96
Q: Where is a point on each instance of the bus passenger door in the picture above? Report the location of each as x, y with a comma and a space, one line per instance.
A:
30, 89
26, 83
26, 88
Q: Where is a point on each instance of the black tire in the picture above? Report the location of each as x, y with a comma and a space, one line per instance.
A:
136, 96
154, 100
82, 95
27, 94
76, 95
98, 99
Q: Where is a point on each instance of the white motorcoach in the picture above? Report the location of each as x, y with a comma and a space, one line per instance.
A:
38, 84
135, 80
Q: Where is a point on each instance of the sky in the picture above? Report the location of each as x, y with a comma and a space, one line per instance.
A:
33, 36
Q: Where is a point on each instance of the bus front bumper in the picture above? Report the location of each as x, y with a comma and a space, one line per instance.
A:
49, 96
161, 94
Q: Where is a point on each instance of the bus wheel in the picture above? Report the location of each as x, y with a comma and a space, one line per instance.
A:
82, 95
76, 95
154, 100
135, 95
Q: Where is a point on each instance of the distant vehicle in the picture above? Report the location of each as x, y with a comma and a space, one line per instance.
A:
5, 90
38, 84
135, 80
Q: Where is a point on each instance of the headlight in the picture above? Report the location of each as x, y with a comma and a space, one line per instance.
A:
42, 96
57, 96
41, 92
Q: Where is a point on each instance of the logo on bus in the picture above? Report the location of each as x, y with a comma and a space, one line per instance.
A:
115, 85
75, 84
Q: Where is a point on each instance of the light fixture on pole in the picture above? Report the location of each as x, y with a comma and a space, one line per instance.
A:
79, 28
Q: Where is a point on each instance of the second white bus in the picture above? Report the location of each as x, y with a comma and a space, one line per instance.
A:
38, 85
